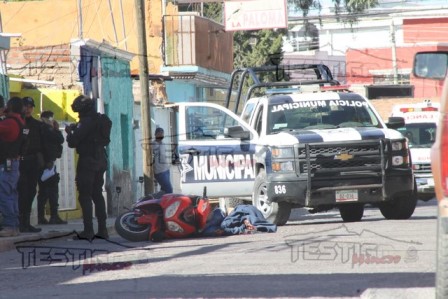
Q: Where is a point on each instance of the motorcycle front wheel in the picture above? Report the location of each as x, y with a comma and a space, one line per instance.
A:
127, 227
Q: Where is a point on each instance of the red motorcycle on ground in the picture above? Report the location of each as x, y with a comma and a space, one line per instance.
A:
170, 216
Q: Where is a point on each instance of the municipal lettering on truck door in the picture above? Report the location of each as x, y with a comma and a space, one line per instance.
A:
210, 157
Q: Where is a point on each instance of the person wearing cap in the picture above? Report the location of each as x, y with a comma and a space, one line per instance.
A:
161, 165
52, 140
11, 141
31, 165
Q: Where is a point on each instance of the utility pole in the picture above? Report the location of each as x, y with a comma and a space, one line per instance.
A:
394, 52
145, 102
80, 29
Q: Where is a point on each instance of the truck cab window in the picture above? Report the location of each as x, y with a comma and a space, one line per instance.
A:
207, 123
259, 121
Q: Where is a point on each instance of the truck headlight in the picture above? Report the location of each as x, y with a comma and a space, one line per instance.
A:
397, 145
397, 160
282, 166
283, 152
400, 160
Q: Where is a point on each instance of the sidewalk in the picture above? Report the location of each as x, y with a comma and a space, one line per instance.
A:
50, 231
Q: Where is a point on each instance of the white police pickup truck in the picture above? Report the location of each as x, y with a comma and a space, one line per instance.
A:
302, 147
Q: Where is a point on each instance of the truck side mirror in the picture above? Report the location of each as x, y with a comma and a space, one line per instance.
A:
395, 122
236, 132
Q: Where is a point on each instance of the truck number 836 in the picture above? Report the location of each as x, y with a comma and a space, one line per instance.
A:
279, 189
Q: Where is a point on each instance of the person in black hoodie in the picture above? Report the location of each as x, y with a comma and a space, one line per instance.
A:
31, 165
52, 140
92, 164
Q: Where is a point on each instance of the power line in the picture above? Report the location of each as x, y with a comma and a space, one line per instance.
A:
113, 22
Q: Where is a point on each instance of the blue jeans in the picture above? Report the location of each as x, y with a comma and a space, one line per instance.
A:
164, 181
9, 199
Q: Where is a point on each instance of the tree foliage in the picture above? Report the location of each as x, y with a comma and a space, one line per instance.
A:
257, 47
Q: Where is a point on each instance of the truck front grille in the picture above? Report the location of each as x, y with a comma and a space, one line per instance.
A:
422, 168
334, 157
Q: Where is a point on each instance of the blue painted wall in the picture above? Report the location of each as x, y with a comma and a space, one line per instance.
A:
178, 91
116, 92
4, 87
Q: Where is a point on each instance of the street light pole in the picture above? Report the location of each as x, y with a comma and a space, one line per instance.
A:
145, 101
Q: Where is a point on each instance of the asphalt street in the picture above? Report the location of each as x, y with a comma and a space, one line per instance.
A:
313, 256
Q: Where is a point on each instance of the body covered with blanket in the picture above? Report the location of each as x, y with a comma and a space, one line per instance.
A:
243, 219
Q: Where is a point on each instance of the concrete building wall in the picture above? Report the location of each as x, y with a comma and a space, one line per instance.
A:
337, 38
336, 63
56, 22
425, 30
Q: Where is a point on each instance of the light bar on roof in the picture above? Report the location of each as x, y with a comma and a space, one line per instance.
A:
335, 87
413, 109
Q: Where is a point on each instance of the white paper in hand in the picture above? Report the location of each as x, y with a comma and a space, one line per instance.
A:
48, 173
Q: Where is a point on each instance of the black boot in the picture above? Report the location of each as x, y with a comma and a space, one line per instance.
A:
41, 211
42, 220
84, 235
53, 195
102, 230
87, 234
57, 220
26, 227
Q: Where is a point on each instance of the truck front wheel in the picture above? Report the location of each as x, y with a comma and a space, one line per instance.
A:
277, 213
351, 212
401, 207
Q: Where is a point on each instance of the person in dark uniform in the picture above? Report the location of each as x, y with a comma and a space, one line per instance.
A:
31, 165
52, 140
11, 140
92, 164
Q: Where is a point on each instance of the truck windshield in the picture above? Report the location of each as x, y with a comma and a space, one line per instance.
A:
419, 135
320, 114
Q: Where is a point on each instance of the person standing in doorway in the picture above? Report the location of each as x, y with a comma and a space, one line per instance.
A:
92, 165
31, 165
161, 165
52, 140
11, 141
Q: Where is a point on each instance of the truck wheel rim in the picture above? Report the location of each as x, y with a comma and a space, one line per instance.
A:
262, 202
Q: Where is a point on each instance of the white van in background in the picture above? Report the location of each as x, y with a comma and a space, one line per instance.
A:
420, 129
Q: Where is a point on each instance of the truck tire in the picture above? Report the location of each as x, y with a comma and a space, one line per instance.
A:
401, 207
442, 259
277, 213
352, 212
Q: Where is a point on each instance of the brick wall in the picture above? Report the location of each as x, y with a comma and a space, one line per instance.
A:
50, 63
